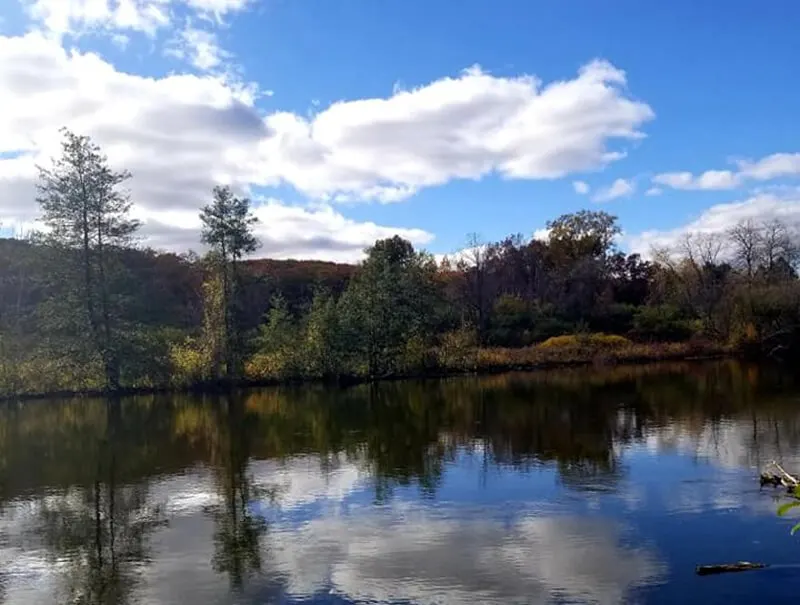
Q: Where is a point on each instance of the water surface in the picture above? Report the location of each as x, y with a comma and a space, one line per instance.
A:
580, 486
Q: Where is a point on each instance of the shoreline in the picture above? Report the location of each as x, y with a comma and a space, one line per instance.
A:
227, 386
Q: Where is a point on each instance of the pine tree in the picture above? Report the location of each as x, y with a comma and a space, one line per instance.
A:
88, 216
228, 231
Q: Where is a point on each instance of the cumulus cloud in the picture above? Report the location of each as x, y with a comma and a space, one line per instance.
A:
462, 127
581, 187
653, 191
179, 135
619, 188
183, 133
721, 217
770, 167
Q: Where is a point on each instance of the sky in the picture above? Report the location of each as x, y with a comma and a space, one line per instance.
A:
346, 121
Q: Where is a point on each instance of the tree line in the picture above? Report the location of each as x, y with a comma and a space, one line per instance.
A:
84, 306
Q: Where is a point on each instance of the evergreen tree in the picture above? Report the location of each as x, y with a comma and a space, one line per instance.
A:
228, 231
88, 217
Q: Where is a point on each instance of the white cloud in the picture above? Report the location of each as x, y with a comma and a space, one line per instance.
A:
411, 555
77, 16
770, 167
148, 16
219, 8
182, 133
721, 217
581, 187
179, 135
199, 47
454, 128
284, 232
654, 191
709, 180
619, 188
542, 234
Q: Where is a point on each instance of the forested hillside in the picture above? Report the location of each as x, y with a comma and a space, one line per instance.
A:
83, 306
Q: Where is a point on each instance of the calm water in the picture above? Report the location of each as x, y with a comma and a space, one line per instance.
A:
564, 487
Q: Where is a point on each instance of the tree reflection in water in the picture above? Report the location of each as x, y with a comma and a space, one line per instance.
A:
87, 468
237, 534
97, 534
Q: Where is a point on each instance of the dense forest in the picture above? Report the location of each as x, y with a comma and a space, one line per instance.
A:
83, 306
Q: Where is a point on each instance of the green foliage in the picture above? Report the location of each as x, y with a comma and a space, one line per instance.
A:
663, 323
783, 509
228, 225
83, 308
278, 344
512, 322
322, 338
583, 234
87, 216
389, 302
228, 230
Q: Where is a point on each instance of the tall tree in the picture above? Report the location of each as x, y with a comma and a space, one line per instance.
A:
228, 231
88, 215
583, 234
474, 266
390, 303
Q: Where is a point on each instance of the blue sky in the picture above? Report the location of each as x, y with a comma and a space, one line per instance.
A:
674, 116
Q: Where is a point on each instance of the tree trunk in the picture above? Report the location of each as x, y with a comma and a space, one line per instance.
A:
108, 350
226, 295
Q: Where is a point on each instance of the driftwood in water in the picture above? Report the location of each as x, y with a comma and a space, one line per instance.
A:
707, 570
781, 478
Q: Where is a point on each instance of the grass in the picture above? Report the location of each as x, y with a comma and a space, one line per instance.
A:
594, 349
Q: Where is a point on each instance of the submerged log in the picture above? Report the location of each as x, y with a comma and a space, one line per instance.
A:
779, 479
707, 570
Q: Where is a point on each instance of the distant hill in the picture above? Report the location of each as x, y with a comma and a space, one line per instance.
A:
172, 283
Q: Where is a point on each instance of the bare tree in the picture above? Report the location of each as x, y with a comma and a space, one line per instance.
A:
777, 246
473, 263
747, 241
695, 265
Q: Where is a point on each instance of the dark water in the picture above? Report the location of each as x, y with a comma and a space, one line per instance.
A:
566, 487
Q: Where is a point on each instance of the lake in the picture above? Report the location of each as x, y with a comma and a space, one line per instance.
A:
571, 486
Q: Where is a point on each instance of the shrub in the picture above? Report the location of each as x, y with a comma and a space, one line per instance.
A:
604, 341
191, 362
662, 323
456, 350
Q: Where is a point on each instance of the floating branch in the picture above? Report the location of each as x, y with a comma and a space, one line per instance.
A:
707, 570
781, 478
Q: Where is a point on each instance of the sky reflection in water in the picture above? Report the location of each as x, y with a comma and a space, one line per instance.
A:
564, 487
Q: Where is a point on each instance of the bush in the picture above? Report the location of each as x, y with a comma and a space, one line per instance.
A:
191, 362
456, 350
614, 318
267, 366
599, 341
662, 323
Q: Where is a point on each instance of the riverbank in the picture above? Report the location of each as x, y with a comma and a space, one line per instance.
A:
558, 352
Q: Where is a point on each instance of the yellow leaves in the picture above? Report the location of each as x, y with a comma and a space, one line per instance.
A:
191, 362
591, 340
266, 366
